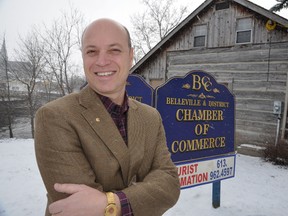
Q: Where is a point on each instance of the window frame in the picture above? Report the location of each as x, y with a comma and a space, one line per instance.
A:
195, 35
250, 29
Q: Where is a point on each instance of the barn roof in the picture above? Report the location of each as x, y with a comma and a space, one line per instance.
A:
245, 3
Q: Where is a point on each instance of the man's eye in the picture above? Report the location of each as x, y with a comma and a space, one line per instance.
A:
90, 51
115, 51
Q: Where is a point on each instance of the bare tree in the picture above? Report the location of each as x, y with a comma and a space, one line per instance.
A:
7, 112
280, 5
62, 41
27, 71
157, 20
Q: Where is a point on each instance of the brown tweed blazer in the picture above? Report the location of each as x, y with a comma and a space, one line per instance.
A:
76, 141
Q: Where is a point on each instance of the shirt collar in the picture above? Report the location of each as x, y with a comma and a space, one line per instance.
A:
113, 108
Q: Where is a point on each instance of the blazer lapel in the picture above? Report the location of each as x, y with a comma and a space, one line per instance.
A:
103, 125
136, 138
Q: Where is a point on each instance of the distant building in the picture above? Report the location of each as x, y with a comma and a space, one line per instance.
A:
7, 67
243, 46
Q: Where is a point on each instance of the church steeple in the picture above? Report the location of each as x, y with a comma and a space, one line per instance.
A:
3, 52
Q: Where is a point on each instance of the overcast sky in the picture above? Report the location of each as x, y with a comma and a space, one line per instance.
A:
18, 16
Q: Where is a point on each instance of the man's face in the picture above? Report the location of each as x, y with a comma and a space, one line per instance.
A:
107, 58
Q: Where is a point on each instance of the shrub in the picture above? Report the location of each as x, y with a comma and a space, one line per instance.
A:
277, 154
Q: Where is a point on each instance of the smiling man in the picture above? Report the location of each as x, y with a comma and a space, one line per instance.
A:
99, 152
107, 57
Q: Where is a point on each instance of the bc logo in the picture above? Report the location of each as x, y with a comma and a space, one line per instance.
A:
198, 82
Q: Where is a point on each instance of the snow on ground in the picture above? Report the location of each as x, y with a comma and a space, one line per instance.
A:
21, 189
258, 189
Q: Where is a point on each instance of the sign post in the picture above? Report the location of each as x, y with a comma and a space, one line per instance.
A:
216, 191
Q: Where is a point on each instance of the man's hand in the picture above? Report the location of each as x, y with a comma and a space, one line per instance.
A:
83, 200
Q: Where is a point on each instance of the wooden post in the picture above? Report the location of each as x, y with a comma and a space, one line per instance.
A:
216, 190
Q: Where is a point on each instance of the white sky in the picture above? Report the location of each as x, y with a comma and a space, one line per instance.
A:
18, 16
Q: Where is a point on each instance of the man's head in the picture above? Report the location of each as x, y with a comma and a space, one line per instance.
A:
107, 57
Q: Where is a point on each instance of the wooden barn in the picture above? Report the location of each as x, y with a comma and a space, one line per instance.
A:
243, 46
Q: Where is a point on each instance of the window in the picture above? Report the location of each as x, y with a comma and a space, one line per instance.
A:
222, 5
200, 32
244, 30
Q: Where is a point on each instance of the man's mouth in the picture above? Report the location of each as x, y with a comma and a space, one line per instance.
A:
103, 74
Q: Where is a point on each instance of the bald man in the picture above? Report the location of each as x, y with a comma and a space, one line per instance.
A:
98, 151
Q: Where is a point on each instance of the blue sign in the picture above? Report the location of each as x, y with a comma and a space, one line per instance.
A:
138, 89
198, 116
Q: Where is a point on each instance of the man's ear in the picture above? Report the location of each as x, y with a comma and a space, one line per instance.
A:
131, 53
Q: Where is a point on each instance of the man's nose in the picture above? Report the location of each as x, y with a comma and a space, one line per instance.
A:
102, 59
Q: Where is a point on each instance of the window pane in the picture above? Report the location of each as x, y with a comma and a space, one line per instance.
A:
199, 41
243, 36
243, 24
222, 5
200, 30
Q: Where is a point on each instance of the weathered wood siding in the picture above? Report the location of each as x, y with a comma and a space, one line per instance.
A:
256, 77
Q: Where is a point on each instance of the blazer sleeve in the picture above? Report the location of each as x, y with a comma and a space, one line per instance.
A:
160, 188
59, 155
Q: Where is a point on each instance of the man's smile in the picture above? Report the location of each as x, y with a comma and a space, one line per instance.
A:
103, 74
